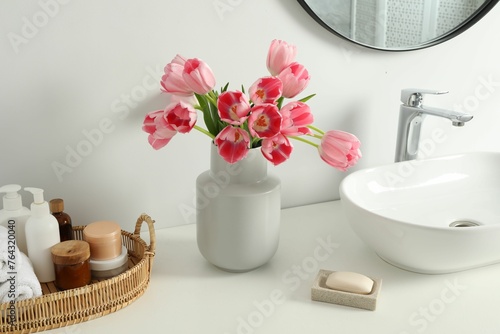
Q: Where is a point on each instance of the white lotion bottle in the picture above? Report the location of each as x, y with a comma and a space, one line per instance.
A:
42, 232
14, 215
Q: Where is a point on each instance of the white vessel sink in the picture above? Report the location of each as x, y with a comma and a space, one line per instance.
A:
406, 211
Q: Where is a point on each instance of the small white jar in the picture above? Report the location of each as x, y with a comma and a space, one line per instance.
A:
109, 268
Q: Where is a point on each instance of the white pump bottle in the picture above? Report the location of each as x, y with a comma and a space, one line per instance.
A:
14, 214
42, 232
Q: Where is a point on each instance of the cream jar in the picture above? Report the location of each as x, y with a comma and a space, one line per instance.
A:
110, 268
104, 238
71, 264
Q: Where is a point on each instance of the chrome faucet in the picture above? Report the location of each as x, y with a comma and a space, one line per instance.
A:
411, 116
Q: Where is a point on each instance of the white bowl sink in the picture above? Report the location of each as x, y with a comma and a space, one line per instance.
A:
406, 211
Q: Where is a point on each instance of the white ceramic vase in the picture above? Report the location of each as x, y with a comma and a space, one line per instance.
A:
238, 210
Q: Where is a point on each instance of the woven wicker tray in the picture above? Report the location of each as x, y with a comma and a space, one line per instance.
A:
56, 309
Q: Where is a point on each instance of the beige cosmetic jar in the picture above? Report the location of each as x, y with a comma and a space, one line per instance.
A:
104, 238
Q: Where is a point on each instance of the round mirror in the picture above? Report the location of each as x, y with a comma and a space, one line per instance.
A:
395, 25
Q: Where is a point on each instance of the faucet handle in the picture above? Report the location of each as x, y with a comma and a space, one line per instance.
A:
413, 96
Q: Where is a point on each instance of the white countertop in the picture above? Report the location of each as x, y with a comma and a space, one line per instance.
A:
188, 295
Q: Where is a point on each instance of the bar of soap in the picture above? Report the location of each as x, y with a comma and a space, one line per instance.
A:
349, 282
321, 293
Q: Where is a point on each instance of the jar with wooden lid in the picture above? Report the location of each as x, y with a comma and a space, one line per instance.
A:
71, 263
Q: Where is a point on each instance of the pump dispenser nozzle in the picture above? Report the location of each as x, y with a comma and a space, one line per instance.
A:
37, 194
11, 200
39, 207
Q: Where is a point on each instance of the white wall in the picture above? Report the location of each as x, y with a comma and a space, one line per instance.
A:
95, 65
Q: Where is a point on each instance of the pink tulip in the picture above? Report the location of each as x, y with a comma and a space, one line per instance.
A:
149, 125
180, 116
264, 121
296, 117
232, 143
198, 76
295, 79
160, 133
158, 142
276, 149
279, 56
339, 149
178, 59
266, 90
233, 107
172, 81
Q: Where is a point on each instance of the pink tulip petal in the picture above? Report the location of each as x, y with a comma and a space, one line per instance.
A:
160, 133
149, 124
264, 121
157, 143
296, 117
198, 76
295, 79
279, 56
233, 107
277, 149
172, 81
232, 143
266, 90
180, 116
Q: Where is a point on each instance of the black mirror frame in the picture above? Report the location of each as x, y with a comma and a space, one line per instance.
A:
473, 19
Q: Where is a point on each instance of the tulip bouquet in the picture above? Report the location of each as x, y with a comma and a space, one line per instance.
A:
237, 121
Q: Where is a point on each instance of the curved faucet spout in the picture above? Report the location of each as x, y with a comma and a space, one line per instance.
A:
454, 116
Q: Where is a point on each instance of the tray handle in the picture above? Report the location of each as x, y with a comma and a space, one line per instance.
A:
152, 235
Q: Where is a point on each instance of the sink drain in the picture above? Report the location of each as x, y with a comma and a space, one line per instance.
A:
464, 223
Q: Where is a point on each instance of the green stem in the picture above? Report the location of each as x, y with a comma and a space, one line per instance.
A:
304, 141
212, 98
255, 142
204, 131
312, 127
